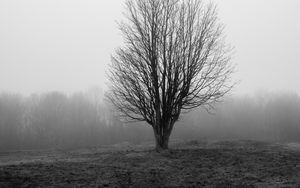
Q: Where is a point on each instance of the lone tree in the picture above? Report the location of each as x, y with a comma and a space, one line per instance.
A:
174, 59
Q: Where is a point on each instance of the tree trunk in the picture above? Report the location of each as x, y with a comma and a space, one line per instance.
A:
162, 139
162, 143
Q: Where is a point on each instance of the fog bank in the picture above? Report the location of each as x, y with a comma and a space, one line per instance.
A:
58, 121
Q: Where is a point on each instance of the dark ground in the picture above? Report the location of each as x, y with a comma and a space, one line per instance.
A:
189, 164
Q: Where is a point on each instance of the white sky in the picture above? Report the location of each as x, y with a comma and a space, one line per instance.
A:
65, 45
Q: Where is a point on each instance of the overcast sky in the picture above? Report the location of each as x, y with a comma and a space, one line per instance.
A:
65, 45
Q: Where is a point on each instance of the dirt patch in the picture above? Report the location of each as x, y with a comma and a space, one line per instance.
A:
220, 164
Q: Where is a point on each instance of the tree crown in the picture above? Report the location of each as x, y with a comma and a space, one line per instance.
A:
174, 58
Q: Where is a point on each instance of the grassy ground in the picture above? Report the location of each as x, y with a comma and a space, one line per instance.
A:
189, 164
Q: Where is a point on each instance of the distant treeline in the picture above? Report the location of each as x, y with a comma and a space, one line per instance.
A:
266, 117
55, 120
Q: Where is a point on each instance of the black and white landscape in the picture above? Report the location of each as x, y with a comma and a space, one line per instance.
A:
149, 93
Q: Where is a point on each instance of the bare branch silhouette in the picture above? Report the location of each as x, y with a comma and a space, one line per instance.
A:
174, 59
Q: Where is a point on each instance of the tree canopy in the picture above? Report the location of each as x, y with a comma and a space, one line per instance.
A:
174, 58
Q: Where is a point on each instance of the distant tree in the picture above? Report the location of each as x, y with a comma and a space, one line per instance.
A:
11, 110
48, 118
174, 59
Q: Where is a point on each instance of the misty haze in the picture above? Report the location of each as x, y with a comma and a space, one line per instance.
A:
149, 93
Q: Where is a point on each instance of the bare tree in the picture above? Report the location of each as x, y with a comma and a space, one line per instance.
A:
174, 59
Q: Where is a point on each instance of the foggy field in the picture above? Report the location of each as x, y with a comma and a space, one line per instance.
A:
54, 140
149, 93
187, 164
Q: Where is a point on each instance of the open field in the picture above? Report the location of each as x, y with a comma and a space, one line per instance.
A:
187, 164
